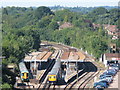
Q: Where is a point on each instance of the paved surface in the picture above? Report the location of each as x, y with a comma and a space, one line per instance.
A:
116, 81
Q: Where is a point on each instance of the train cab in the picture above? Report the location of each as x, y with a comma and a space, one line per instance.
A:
25, 76
55, 73
52, 79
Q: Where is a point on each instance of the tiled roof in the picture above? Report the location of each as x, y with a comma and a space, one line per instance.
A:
66, 25
112, 55
111, 28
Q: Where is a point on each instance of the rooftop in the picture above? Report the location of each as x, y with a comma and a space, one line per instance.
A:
112, 55
66, 25
111, 28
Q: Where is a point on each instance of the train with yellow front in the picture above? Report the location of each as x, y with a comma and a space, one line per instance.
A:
24, 73
55, 74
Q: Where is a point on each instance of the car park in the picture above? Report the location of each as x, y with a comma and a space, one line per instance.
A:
107, 76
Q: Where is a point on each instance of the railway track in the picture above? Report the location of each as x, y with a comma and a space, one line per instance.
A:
71, 83
49, 86
43, 79
84, 84
85, 76
82, 80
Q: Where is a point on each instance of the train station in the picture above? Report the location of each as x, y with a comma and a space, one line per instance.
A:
35, 59
62, 66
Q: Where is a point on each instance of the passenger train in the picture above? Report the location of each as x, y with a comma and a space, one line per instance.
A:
55, 74
24, 73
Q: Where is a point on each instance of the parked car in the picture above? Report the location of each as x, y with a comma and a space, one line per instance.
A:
102, 84
108, 77
104, 75
109, 73
99, 87
109, 80
112, 70
114, 67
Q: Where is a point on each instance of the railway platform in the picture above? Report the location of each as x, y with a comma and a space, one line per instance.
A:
69, 75
71, 71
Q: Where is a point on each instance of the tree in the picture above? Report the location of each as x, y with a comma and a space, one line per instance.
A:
6, 86
5, 11
42, 11
53, 25
44, 22
99, 11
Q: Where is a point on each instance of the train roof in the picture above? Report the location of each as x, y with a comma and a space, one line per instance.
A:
54, 71
22, 67
55, 68
57, 64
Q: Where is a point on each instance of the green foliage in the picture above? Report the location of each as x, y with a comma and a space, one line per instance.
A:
89, 40
66, 16
5, 11
6, 86
44, 22
99, 11
53, 25
42, 11
103, 16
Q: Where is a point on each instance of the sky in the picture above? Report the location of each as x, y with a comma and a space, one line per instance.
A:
68, 3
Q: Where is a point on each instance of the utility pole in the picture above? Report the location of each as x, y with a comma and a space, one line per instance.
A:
77, 69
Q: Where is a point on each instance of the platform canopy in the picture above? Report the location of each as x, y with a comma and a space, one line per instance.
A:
72, 57
38, 57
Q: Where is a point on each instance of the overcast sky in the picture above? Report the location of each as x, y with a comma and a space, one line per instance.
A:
69, 3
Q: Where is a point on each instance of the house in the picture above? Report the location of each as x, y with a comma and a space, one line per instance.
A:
65, 25
116, 36
111, 57
111, 29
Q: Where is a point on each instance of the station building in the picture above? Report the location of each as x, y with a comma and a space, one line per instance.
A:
111, 58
